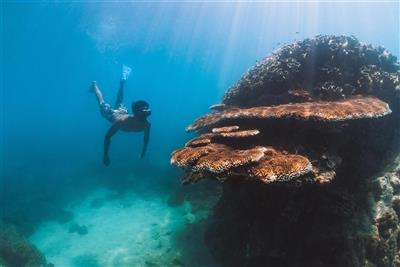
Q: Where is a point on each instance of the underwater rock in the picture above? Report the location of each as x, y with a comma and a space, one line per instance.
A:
385, 247
16, 251
163, 259
79, 229
86, 260
176, 198
318, 182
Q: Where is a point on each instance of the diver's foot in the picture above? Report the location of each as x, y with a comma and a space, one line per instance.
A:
106, 161
92, 87
126, 71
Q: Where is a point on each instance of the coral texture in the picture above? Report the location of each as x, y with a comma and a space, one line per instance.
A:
277, 166
239, 134
322, 68
217, 160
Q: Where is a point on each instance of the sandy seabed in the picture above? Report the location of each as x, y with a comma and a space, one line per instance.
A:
109, 230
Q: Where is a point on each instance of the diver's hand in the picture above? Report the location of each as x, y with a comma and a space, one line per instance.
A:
106, 160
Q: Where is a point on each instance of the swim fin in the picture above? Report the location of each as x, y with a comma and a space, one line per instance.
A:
92, 87
125, 72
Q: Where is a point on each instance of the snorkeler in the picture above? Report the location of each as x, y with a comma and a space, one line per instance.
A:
120, 118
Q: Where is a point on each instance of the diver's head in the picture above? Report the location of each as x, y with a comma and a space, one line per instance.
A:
141, 109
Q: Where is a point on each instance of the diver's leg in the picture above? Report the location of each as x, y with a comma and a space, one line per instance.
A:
98, 93
105, 109
126, 71
120, 94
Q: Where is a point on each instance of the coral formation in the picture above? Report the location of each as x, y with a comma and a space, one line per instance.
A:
217, 160
239, 134
320, 118
219, 106
321, 68
353, 108
226, 159
226, 129
277, 166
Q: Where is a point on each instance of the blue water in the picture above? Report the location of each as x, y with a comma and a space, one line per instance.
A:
184, 55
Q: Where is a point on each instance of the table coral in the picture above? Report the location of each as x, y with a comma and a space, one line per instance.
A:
297, 143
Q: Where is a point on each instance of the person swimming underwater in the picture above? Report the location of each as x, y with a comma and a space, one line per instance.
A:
120, 118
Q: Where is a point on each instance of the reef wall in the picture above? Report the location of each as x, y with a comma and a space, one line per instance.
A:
261, 225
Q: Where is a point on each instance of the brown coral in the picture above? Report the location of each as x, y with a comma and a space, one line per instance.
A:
217, 107
221, 161
229, 132
202, 140
226, 129
323, 177
277, 166
187, 156
239, 134
350, 109
227, 158
205, 155
215, 158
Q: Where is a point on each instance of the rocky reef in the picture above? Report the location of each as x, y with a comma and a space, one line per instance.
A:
305, 147
15, 250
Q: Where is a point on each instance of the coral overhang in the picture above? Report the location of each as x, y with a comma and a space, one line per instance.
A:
357, 107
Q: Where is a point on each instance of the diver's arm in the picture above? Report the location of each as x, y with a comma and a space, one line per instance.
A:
107, 141
145, 140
